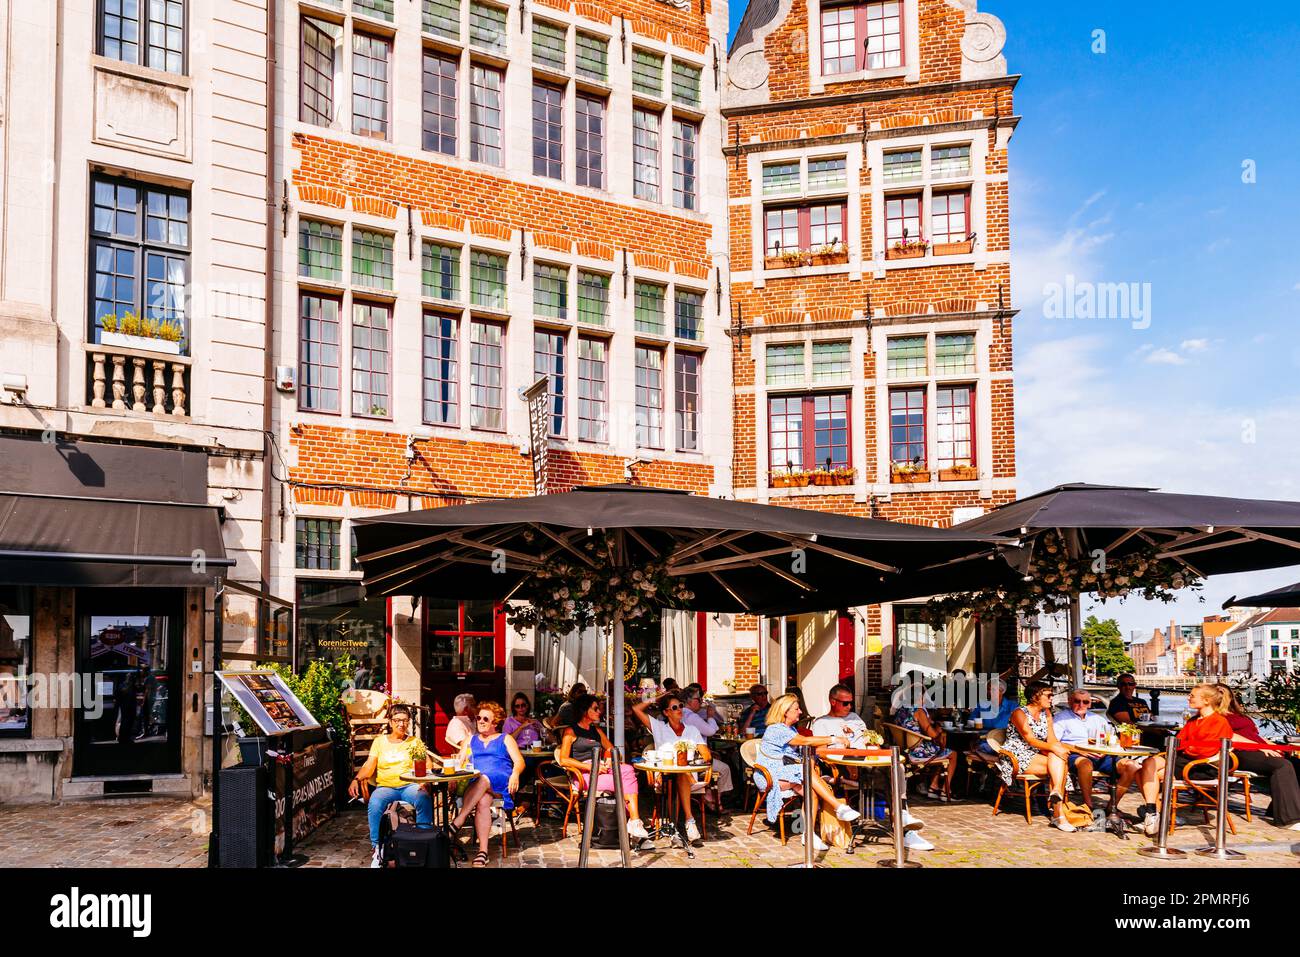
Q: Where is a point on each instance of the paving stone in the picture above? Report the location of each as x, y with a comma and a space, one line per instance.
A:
154, 832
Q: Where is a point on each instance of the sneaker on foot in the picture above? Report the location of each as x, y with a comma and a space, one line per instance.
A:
846, 813
910, 823
915, 842
377, 858
635, 829
1294, 827
692, 830
1151, 823
1061, 824
818, 843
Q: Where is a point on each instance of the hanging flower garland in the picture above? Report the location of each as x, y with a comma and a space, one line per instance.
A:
565, 594
1054, 577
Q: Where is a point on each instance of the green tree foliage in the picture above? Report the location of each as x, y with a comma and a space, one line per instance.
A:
1103, 644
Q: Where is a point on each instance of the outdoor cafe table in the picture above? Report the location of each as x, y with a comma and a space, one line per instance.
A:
444, 801
532, 758
664, 799
1114, 750
869, 761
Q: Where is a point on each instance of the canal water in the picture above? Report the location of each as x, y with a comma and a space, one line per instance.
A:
1174, 704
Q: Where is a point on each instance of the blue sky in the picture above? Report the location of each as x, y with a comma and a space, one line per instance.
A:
1128, 168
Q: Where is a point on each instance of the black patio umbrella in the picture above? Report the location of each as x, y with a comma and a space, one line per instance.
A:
1288, 596
616, 549
731, 556
1206, 534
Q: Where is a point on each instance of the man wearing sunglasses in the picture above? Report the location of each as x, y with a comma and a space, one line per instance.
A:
1126, 707
843, 721
704, 719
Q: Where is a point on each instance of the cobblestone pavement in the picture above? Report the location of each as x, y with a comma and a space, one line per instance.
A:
152, 833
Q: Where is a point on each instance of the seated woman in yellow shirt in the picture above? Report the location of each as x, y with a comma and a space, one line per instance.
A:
390, 758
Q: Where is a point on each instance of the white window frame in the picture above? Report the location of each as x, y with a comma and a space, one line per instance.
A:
851, 194
982, 380
977, 182
910, 70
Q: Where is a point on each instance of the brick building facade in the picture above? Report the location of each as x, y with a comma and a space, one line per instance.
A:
474, 196
867, 165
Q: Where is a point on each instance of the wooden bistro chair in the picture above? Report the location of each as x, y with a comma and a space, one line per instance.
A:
367, 716
1028, 782
978, 762
905, 739
1202, 793
749, 754
557, 785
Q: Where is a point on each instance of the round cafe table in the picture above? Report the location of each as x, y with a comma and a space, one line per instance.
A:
868, 763
663, 802
1114, 750
532, 758
438, 786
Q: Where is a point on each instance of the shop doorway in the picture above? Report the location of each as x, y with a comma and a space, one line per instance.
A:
129, 649
464, 652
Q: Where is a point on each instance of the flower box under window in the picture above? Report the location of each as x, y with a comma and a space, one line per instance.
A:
899, 251
804, 257
959, 473
909, 474
833, 477
790, 479
954, 249
145, 343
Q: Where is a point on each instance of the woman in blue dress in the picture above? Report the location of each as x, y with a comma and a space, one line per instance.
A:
779, 760
497, 759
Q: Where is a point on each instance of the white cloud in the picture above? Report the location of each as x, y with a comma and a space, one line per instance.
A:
1195, 345
1165, 357
1080, 417
1044, 256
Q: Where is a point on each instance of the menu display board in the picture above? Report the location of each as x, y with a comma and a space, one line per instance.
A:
313, 792
268, 701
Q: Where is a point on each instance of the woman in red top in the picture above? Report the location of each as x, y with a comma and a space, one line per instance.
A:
1199, 739
1282, 784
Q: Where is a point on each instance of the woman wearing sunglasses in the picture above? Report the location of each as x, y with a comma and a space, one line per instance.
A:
497, 759
521, 725
581, 740
669, 731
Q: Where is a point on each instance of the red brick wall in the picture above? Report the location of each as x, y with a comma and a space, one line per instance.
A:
451, 468
491, 204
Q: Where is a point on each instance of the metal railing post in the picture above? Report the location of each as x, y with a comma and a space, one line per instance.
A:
897, 788
621, 813
1219, 849
589, 813
1161, 847
807, 807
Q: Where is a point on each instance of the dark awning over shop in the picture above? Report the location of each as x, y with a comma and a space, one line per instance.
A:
58, 540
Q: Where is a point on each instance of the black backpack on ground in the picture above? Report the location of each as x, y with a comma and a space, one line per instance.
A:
412, 846
604, 833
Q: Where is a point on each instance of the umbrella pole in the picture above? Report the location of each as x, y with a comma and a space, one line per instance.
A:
1076, 642
618, 704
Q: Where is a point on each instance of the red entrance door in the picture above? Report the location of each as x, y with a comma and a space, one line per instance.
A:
464, 652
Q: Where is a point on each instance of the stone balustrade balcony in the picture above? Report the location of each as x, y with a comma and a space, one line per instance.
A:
138, 380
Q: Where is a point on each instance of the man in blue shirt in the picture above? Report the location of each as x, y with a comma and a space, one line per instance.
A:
996, 714
1077, 727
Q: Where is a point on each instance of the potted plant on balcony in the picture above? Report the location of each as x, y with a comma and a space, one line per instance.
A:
959, 473
908, 473
908, 248
129, 331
